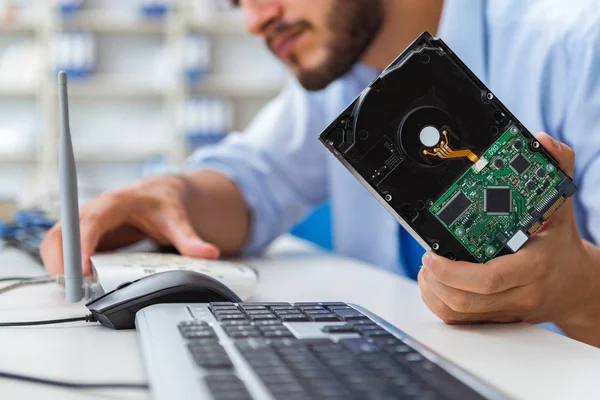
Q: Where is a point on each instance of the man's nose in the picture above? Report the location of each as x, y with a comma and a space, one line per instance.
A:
260, 14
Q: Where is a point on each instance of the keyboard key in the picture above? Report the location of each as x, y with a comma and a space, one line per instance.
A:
342, 307
224, 308
311, 308
267, 304
240, 328
316, 312
259, 312
294, 318
334, 304
192, 323
262, 317
253, 308
221, 318
349, 315
268, 328
376, 333
284, 308
398, 349
286, 312
211, 357
338, 329
240, 322
227, 387
324, 317
278, 334
197, 332
204, 342
227, 312
268, 322
358, 346
244, 334
361, 322
366, 327
222, 304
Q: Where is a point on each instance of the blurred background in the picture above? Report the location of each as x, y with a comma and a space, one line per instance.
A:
149, 82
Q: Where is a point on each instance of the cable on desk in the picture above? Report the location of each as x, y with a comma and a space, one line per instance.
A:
73, 385
27, 282
87, 318
22, 278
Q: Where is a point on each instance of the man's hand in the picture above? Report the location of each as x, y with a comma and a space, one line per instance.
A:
554, 277
153, 208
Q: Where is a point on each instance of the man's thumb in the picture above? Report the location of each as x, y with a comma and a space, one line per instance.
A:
563, 153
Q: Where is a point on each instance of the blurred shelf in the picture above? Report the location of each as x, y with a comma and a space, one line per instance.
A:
19, 27
225, 23
220, 85
126, 152
236, 86
105, 22
109, 86
22, 156
16, 91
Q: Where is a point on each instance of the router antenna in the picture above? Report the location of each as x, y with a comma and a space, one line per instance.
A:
69, 206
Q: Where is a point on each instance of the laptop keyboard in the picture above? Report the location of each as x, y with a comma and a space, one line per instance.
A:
355, 358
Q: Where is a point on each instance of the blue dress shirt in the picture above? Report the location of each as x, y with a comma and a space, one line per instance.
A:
540, 57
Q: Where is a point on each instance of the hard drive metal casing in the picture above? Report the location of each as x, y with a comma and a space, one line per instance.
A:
376, 139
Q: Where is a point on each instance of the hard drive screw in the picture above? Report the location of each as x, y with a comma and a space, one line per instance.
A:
388, 197
536, 145
435, 246
490, 96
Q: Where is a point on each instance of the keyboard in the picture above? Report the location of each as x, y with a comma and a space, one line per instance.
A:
227, 351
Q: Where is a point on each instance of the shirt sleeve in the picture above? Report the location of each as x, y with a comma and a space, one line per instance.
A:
278, 164
581, 125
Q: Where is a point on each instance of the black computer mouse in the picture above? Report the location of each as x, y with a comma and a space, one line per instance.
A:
117, 309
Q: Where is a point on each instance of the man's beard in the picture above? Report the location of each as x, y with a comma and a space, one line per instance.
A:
353, 26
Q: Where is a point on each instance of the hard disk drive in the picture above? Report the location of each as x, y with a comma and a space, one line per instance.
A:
446, 157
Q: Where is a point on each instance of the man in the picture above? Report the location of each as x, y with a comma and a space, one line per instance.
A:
538, 56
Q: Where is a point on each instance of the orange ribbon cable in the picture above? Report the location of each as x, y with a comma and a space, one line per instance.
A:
443, 150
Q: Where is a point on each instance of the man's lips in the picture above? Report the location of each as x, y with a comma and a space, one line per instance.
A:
283, 44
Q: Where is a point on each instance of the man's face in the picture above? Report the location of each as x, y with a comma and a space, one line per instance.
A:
319, 40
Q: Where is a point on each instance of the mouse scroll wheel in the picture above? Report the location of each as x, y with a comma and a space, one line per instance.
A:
123, 285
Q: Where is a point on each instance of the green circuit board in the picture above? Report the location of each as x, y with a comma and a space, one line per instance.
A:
512, 191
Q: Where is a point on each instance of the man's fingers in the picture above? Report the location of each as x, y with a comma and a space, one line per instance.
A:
180, 233
515, 300
496, 276
51, 251
449, 316
563, 153
96, 220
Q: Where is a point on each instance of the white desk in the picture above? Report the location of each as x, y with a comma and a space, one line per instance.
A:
523, 361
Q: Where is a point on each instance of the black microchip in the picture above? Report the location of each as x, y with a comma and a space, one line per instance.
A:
540, 191
541, 172
519, 164
497, 200
518, 145
501, 238
530, 185
468, 224
499, 163
454, 209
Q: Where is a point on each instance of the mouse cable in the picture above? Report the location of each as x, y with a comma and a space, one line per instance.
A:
27, 282
87, 318
73, 385
22, 278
